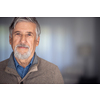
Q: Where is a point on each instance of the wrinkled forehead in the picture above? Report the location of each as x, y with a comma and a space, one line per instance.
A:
23, 25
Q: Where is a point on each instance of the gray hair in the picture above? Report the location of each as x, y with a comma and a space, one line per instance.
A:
29, 19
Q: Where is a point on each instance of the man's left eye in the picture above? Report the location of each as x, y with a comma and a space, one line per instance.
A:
29, 34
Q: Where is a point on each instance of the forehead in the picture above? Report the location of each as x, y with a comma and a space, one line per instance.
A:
24, 25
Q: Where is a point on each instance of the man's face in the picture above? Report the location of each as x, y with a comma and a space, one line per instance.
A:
24, 34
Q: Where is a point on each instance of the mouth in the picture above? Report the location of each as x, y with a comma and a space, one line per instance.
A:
22, 47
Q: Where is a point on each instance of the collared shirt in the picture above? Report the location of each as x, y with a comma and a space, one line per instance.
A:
21, 70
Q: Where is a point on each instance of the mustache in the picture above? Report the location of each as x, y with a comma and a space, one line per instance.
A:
22, 45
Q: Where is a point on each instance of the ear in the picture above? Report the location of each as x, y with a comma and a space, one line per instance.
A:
10, 39
37, 41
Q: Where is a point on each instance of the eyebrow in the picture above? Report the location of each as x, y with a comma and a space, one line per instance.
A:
26, 32
30, 32
16, 31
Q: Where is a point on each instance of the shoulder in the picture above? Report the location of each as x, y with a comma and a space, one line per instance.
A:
3, 63
47, 66
51, 70
45, 63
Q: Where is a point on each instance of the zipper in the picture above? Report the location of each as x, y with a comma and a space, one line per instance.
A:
33, 69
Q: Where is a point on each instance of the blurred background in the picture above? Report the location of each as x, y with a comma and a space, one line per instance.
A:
71, 43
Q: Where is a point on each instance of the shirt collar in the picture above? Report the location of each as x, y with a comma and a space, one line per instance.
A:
15, 61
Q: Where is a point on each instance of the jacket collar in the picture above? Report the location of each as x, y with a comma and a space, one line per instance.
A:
11, 65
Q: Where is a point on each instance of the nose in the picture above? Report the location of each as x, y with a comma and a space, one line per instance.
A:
23, 39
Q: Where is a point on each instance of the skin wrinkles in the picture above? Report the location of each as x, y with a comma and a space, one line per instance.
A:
24, 33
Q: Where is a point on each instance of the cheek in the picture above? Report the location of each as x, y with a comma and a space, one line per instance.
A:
15, 42
32, 44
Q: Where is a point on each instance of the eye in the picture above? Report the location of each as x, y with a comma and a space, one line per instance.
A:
17, 33
29, 34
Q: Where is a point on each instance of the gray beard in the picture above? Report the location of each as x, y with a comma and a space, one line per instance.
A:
22, 56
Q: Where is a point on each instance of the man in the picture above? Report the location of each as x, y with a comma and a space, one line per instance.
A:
24, 66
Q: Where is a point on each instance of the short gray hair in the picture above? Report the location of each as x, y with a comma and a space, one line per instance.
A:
29, 19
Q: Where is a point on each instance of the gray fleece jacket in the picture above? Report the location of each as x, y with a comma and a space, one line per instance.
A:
41, 72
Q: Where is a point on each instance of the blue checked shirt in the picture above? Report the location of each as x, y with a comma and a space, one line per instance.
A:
22, 71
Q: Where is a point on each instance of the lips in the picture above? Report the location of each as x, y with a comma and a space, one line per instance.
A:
22, 47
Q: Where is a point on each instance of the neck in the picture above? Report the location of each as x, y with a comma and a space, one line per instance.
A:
24, 62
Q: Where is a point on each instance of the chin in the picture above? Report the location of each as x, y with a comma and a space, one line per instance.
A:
22, 56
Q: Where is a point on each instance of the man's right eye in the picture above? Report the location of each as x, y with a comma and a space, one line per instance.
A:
17, 33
